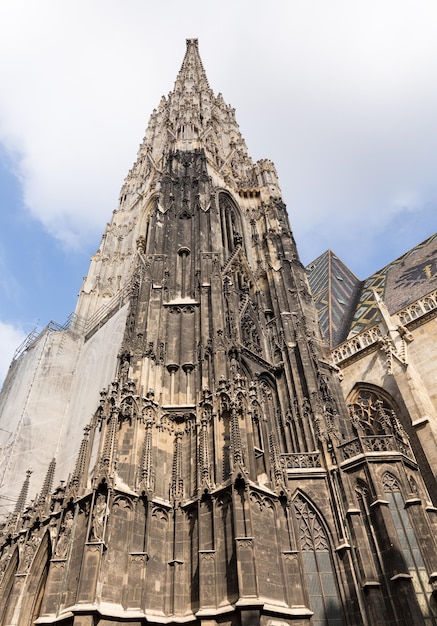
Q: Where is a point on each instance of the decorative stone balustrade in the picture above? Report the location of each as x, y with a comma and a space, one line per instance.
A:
419, 308
374, 443
301, 460
356, 344
372, 335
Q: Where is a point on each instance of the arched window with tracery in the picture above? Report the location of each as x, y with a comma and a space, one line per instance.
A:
410, 547
320, 576
230, 225
373, 413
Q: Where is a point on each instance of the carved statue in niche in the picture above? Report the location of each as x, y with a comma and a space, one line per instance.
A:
4, 560
234, 363
98, 524
53, 530
29, 550
124, 366
128, 410
64, 538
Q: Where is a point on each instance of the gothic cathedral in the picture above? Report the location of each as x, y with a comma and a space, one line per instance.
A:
212, 472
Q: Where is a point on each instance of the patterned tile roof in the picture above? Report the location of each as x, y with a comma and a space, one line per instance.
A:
346, 306
335, 289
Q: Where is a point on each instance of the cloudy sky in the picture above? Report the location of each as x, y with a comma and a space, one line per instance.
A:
341, 95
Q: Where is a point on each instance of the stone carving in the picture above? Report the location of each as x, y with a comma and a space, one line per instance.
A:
160, 514
311, 531
5, 558
390, 482
122, 503
27, 550
301, 460
244, 542
261, 502
64, 536
99, 518
249, 334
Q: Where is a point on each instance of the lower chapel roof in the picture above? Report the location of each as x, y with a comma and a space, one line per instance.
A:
347, 306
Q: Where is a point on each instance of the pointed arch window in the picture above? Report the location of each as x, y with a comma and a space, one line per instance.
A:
376, 422
410, 547
230, 225
319, 571
374, 413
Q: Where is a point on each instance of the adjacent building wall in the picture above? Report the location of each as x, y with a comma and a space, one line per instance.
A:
49, 395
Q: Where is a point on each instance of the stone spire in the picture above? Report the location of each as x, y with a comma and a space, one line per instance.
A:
192, 76
14, 519
79, 470
190, 118
47, 484
21, 502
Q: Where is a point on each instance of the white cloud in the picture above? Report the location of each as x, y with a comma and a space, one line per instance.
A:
11, 338
341, 96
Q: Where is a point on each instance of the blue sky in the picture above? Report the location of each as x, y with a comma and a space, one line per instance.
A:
341, 95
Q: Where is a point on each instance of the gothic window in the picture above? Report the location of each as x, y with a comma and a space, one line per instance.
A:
183, 270
373, 413
410, 547
250, 335
271, 410
319, 572
231, 231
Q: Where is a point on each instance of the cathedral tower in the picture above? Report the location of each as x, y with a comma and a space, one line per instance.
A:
221, 478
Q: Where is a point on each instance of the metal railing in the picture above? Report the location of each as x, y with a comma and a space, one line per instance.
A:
35, 333
77, 324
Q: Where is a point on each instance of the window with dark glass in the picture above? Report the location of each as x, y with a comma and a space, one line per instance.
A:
319, 572
410, 547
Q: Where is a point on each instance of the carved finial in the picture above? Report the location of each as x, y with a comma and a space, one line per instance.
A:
81, 458
48, 483
21, 502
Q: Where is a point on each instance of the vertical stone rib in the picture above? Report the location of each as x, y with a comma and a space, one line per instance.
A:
108, 447
146, 461
177, 480
237, 448
276, 460
204, 452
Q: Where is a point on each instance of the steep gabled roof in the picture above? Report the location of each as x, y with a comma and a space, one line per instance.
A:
399, 283
347, 306
335, 289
